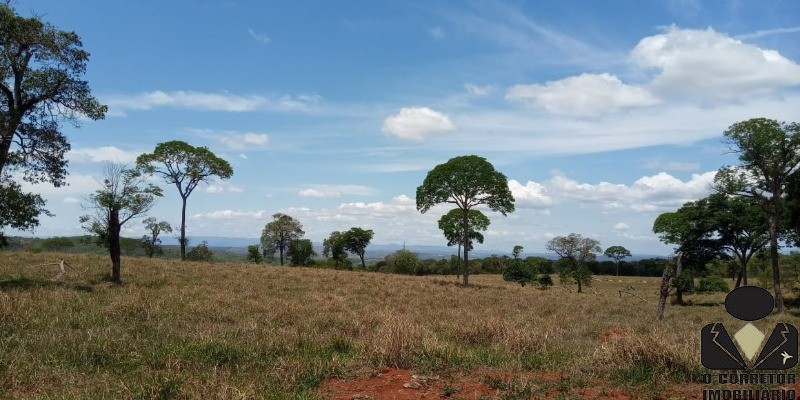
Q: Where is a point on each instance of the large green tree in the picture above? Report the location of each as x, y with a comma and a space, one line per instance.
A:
279, 233
741, 227
40, 89
617, 253
575, 252
356, 241
125, 195
466, 182
185, 166
301, 252
335, 247
769, 153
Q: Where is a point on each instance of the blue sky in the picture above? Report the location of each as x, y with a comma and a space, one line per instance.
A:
601, 114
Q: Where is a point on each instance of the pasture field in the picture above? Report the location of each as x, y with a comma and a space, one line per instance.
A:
230, 331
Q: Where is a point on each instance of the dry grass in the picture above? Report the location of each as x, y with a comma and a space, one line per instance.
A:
186, 330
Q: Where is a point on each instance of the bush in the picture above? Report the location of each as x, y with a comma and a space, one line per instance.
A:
684, 282
519, 272
201, 252
545, 281
713, 283
402, 262
301, 252
254, 254
57, 244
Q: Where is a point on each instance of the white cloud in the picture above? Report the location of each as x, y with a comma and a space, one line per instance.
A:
243, 157
230, 214
532, 195
77, 184
478, 89
713, 65
222, 187
241, 141
658, 192
586, 95
416, 123
102, 154
261, 38
71, 200
200, 101
768, 32
621, 227
336, 191
672, 165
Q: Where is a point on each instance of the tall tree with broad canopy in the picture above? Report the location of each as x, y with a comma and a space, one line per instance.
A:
125, 195
467, 182
301, 252
278, 234
185, 166
741, 226
151, 243
516, 251
40, 88
356, 241
451, 226
769, 153
617, 253
575, 251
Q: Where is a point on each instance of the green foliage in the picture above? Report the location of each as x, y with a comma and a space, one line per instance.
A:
684, 282
713, 283
467, 182
575, 252
518, 271
279, 233
545, 281
254, 254
356, 241
41, 88
151, 244
335, 247
57, 244
617, 253
402, 262
516, 251
184, 166
452, 225
201, 252
301, 252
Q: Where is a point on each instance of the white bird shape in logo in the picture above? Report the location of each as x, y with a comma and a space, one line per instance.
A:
786, 357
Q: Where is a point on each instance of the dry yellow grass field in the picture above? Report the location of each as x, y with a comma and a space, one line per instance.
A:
190, 330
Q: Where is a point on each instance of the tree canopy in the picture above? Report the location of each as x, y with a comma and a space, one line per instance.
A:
41, 87
335, 247
279, 233
356, 241
769, 153
184, 166
617, 253
467, 182
575, 251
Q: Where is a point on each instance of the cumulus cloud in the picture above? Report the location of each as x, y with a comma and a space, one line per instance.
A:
621, 227
416, 123
531, 195
247, 140
222, 187
713, 65
231, 214
102, 154
71, 200
585, 95
77, 184
335, 191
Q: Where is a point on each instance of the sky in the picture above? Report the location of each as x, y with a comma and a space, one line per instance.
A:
602, 115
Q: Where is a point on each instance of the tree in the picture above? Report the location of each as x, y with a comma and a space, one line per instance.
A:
301, 252
276, 235
254, 254
356, 241
617, 253
519, 271
769, 153
335, 247
517, 251
402, 262
151, 243
742, 228
184, 166
201, 252
467, 182
575, 251
41, 88
451, 225
124, 196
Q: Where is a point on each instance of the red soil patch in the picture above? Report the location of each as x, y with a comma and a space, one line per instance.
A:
614, 333
399, 384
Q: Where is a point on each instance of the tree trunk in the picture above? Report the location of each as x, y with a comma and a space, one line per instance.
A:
664, 289
183, 230
280, 250
739, 278
363, 264
465, 236
616, 262
458, 272
114, 250
579, 284
773, 254
5, 147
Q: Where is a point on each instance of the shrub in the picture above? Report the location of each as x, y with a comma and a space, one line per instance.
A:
301, 252
253, 254
684, 282
402, 262
201, 252
545, 281
519, 272
713, 283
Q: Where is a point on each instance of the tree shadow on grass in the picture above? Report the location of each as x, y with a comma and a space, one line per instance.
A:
442, 282
22, 283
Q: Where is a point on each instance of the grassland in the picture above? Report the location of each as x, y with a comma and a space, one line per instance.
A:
189, 330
